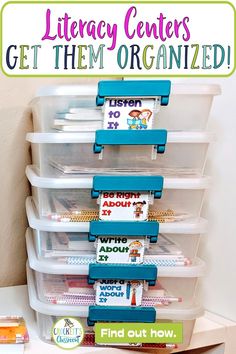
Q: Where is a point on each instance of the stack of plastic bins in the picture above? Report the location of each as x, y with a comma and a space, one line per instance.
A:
67, 232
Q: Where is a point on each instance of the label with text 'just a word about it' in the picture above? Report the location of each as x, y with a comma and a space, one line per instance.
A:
119, 292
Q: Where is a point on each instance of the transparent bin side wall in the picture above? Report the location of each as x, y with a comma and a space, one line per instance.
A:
185, 203
45, 323
184, 112
188, 244
184, 288
47, 205
45, 109
190, 157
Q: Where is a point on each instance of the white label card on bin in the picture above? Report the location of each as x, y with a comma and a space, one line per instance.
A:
124, 206
120, 249
129, 113
119, 292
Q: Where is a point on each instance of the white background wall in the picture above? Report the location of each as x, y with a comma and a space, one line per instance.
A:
218, 247
15, 121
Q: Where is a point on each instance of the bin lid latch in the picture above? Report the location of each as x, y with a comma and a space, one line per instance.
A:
152, 184
155, 137
134, 88
121, 314
131, 229
143, 272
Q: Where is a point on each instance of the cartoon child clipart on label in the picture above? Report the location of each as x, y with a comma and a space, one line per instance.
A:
135, 284
134, 121
144, 117
138, 209
134, 253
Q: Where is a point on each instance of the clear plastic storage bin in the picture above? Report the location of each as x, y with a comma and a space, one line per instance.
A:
47, 234
72, 154
176, 247
48, 314
188, 108
69, 199
191, 226
68, 284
